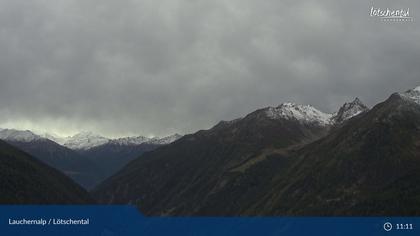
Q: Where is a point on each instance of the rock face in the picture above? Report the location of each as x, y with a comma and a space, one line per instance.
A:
289, 160
349, 110
25, 180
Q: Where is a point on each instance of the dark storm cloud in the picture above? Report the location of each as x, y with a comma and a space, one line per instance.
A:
157, 67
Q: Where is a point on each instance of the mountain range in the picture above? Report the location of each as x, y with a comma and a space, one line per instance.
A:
85, 157
286, 160
88, 140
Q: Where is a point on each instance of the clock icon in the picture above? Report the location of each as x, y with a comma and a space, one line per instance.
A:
387, 226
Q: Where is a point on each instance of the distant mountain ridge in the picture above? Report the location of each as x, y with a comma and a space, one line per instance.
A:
85, 157
83, 140
87, 140
18, 135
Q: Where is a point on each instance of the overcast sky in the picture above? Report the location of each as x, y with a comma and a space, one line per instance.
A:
156, 67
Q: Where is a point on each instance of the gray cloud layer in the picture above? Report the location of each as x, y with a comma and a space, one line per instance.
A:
163, 66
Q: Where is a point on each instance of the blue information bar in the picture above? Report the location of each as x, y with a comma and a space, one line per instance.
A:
127, 220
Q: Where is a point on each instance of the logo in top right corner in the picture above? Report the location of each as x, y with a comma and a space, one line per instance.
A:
392, 15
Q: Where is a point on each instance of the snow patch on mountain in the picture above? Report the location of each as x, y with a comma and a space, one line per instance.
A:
18, 135
165, 140
130, 140
413, 94
137, 140
55, 138
303, 113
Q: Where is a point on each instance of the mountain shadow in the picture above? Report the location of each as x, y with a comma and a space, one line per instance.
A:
26, 180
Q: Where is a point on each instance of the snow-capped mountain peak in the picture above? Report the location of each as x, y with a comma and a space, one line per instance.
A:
302, 113
413, 94
18, 135
85, 140
349, 110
